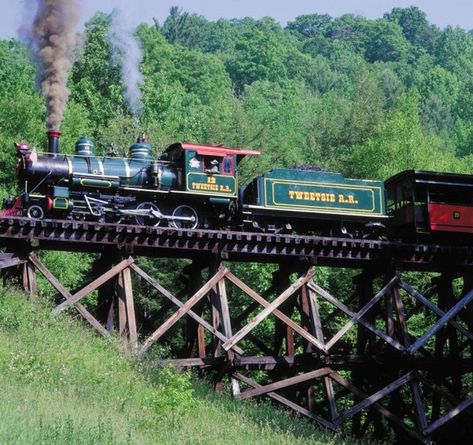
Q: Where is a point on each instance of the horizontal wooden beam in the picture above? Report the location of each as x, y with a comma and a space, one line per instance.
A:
11, 261
269, 360
193, 362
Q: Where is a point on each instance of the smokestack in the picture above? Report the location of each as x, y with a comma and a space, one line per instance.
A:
53, 144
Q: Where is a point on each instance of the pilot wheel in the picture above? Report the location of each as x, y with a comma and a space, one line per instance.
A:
35, 212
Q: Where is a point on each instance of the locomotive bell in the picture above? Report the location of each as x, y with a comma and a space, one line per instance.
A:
84, 146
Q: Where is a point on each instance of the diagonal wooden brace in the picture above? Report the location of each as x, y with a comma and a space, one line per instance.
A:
201, 293
291, 381
373, 398
380, 408
67, 295
426, 302
271, 308
150, 280
93, 285
277, 313
356, 316
288, 403
444, 320
448, 416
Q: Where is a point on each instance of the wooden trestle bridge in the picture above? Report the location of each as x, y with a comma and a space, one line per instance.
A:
388, 360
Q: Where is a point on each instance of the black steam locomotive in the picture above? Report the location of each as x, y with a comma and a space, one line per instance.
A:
196, 186
188, 186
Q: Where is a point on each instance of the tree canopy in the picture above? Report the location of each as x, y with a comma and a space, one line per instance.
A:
327, 91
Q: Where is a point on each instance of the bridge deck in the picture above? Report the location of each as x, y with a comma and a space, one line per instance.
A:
230, 245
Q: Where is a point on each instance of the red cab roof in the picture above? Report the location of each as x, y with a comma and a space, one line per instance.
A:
217, 150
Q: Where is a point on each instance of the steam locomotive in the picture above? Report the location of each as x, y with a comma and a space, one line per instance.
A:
196, 186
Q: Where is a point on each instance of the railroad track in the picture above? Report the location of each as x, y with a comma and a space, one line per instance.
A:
231, 245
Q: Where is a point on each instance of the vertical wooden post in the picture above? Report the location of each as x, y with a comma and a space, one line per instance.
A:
309, 326
130, 308
389, 304
108, 290
364, 291
121, 303
404, 338
194, 331
29, 279
281, 331
440, 340
216, 321
468, 313
452, 333
227, 328
110, 317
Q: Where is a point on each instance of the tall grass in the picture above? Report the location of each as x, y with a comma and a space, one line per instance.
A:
61, 384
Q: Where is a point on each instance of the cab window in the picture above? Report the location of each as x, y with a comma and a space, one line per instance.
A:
211, 165
228, 165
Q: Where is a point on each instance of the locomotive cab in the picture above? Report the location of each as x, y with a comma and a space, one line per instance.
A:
422, 202
207, 169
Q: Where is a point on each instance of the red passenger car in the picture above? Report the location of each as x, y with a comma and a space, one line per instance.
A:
422, 202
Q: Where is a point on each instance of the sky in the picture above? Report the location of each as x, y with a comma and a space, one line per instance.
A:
440, 12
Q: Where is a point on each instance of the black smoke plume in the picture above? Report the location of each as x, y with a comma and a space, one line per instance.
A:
51, 38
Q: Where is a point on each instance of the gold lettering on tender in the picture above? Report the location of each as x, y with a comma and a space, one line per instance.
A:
315, 196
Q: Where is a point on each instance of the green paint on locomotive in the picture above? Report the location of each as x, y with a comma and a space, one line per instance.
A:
132, 172
320, 192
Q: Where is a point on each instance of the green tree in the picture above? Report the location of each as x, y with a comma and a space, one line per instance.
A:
258, 55
95, 82
415, 27
399, 144
309, 26
384, 42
